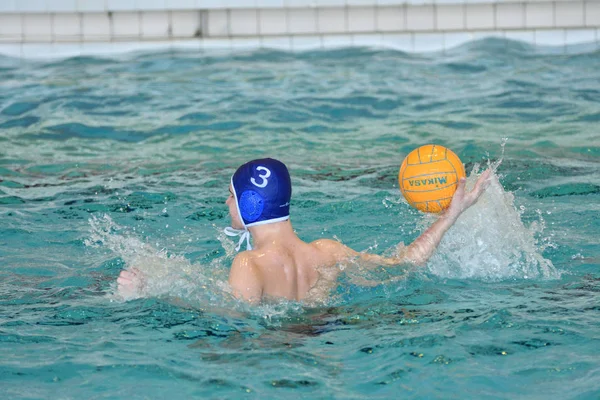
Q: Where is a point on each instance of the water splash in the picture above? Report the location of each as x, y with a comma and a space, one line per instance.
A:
489, 241
163, 274
173, 277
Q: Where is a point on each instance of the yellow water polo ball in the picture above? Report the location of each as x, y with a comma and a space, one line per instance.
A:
429, 176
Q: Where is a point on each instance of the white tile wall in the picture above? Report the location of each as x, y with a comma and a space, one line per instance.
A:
554, 37
478, 35
91, 5
510, 15
300, 43
569, 14
61, 50
427, 42
190, 45
217, 23
401, 42
479, 16
278, 43
331, 20
121, 5
352, 3
38, 51
126, 25
37, 27
302, 21
213, 44
97, 48
149, 46
11, 50
522, 36
329, 3
185, 23
66, 6
8, 6
11, 27
31, 6
143, 5
592, 13
245, 43
420, 18
96, 27
67, 27
337, 41
450, 17
574, 36
539, 15
273, 22
300, 3
390, 2
368, 40
154, 24
270, 3
181, 4
243, 22
209, 4
361, 19
391, 19
405, 42
231, 4
455, 39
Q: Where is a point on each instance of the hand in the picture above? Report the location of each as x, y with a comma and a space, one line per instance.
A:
462, 200
130, 283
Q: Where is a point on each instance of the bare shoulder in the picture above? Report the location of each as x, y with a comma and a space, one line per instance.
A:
245, 260
326, 244
333, 249
244, 277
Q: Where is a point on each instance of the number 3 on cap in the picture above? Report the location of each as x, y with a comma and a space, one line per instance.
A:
261, 176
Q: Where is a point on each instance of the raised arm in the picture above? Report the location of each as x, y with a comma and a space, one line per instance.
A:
423, 247
419, 251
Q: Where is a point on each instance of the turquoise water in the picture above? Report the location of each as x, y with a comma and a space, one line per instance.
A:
110, 162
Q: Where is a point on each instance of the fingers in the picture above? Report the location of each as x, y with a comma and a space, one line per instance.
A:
485, 176
127, 278
124, 281
128, 274
461, 185
483, 182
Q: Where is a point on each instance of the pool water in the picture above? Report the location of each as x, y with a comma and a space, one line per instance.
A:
107, 163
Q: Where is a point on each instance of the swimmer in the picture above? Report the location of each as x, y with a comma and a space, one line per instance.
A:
281, 265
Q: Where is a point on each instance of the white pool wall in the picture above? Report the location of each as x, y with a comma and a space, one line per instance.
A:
58, 28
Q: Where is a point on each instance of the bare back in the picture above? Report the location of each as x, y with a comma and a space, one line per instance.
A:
297, 271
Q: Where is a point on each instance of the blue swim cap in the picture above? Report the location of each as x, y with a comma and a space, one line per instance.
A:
262, 190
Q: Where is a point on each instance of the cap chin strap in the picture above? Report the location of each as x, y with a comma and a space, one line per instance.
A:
244, 234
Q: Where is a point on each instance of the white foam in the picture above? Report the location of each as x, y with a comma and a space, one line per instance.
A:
490, 242
174, 278
164, 274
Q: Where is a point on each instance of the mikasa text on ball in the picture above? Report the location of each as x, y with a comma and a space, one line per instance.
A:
428, 177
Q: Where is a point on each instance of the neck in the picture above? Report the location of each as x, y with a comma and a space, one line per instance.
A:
275, 233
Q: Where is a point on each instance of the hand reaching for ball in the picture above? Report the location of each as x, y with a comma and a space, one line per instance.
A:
463, 200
